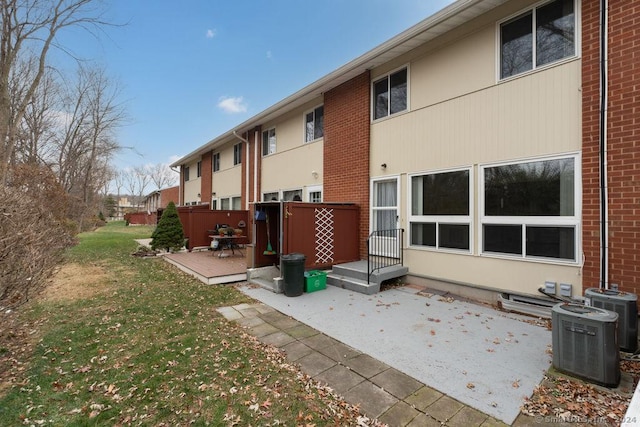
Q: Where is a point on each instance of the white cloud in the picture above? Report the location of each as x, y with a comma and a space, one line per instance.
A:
232, 105
211, 33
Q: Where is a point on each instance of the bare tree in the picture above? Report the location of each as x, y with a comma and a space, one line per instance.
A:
137, 180
28, 32
162, 176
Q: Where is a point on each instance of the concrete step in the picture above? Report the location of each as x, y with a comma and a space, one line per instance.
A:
358, 270
352, 284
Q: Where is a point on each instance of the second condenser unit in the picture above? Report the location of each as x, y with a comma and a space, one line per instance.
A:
623, 303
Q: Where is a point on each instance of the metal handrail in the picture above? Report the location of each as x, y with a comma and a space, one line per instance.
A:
384, 249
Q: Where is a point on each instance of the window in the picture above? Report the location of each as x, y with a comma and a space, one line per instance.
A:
314, 124
440, 210
216, 162
390, 94
199, 171
530, 209
315, 196
267, 197
186, 173
214, 203
237, 154
291, 195
236, 203
225, 203
269, 141
538, 37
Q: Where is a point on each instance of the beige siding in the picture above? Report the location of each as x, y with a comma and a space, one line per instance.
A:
499, 274
294, 161
227, 182
512, 120
192, 187
492, 122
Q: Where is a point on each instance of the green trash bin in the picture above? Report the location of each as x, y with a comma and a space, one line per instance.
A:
293, 274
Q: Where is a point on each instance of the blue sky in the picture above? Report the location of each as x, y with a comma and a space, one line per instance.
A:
191, 70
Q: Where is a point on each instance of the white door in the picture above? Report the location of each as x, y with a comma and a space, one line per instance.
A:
384, 218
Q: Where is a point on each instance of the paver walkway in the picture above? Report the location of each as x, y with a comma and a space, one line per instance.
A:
381, 391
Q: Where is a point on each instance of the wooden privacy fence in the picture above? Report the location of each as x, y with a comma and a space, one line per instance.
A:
326, 233
198, 222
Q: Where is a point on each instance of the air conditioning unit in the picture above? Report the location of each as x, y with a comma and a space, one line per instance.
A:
623, 303
585, 343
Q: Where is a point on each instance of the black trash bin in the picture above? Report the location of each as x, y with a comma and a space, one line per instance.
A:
293, 274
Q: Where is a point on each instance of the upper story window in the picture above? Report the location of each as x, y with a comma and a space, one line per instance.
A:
269, 141
390, 94
186, 173
314, 124
237, 154
538, 37
216, 162
199, 171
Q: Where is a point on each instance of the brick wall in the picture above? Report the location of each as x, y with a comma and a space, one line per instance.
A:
623, 133
346, 148
206, 183
169, 195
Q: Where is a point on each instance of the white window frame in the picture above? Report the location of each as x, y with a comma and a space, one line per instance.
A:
314, 189
215, 164
442, 219
271, 149
187, 173
304, 124
577, 11
199, 169
237, 154
234, 199
264, 194
533, 221
388, 77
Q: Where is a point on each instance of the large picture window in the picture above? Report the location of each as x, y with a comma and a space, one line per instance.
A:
440, 210
390, 94
530, 209
314, 124
538, 37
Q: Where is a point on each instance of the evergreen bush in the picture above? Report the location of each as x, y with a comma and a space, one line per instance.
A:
168, 234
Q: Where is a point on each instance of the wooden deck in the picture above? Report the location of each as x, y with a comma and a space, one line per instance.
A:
211, 269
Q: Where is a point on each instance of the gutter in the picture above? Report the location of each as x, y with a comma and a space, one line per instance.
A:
604, 194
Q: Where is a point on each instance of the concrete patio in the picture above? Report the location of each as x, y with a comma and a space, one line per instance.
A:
467, 355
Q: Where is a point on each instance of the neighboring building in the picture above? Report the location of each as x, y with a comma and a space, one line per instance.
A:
159, 199
124, 206
480, 131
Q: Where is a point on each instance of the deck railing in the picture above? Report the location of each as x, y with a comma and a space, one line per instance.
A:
384, 249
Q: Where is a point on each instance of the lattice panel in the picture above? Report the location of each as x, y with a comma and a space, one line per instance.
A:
324, 236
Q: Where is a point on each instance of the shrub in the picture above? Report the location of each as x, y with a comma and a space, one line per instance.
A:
33, 234
168, 234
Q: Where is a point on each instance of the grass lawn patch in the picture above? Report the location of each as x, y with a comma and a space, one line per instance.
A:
123, 340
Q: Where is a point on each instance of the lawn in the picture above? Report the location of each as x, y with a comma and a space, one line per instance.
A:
123, 340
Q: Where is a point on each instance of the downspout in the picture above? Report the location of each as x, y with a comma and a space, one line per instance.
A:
604, 195
246, 169
256, 196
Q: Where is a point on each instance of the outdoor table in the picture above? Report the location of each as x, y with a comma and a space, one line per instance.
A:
227, 242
